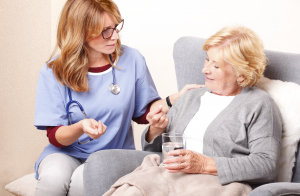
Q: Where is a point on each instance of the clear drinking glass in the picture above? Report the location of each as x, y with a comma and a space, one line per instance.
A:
171, 142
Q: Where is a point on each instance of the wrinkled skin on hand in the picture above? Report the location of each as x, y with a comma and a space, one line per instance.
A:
190, 162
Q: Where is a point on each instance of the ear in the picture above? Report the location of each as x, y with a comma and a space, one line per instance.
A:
241, 78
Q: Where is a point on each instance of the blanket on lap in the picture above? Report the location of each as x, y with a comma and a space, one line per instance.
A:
151, 179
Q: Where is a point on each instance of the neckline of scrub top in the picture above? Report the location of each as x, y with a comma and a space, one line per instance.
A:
99, 69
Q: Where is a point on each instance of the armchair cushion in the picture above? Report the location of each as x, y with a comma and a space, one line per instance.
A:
286, 96
277, 189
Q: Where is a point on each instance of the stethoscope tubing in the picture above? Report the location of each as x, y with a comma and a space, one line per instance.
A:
80, 106
69, 116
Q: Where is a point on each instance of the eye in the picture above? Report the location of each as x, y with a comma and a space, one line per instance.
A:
216, 66
106, 30
207, 59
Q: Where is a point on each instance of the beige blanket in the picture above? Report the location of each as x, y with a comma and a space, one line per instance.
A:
151, 179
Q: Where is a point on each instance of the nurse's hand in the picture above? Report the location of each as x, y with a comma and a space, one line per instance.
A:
158, 123
93, 128
190, 162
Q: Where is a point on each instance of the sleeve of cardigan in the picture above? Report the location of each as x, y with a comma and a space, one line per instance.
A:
156, 144
264, 135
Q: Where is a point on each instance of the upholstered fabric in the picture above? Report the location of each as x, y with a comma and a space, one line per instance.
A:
189, 60
283, 66
277, 189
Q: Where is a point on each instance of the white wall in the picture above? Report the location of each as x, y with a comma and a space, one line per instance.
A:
153, 27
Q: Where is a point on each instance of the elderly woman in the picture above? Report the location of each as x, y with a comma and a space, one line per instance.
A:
239, 123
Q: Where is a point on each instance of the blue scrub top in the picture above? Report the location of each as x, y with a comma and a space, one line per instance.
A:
115, 111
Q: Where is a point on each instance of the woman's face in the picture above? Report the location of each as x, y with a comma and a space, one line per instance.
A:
218, 81
99, 45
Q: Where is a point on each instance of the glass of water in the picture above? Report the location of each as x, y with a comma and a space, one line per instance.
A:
172, 141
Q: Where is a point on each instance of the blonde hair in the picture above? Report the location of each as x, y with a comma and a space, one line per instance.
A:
241, 48
80, 21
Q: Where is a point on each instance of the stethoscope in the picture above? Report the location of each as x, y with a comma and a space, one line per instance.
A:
114, 88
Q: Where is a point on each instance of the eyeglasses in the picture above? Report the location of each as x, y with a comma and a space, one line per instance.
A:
107, 33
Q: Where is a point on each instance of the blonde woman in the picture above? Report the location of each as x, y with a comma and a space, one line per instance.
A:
240, 125
88, 95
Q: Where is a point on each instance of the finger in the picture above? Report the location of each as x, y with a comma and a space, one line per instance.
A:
154, 112
173, 160
156, 118
193, 86
94, 124
90, 131
178, 152
177, 166
101, 127
104, 127
166, 122
190, 86
173, 171
162, 119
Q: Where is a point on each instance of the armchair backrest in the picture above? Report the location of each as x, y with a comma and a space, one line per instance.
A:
189, 60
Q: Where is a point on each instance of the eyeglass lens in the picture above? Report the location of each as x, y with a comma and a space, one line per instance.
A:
109, 32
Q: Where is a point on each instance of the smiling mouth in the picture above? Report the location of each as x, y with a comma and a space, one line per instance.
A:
112, 45
209, 79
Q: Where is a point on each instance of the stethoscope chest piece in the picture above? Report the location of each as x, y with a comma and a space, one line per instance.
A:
115, 89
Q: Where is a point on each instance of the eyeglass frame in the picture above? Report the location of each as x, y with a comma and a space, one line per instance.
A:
114, 29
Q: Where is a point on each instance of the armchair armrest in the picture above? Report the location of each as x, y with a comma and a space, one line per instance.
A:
277, 189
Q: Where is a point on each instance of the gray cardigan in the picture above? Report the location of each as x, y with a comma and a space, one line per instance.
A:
244, 139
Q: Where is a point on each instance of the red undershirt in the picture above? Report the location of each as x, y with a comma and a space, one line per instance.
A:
51, 130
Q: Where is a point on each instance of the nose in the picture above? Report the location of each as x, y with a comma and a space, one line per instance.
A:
115, 35
206, 69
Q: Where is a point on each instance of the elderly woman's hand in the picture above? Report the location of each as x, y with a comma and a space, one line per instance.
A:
158, 118
190, 162
158, 123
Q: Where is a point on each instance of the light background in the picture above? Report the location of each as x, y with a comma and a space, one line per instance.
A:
28, 35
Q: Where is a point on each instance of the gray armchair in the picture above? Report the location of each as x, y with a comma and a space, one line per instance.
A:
189, 60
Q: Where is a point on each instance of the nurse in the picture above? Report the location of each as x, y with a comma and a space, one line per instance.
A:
88, 95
